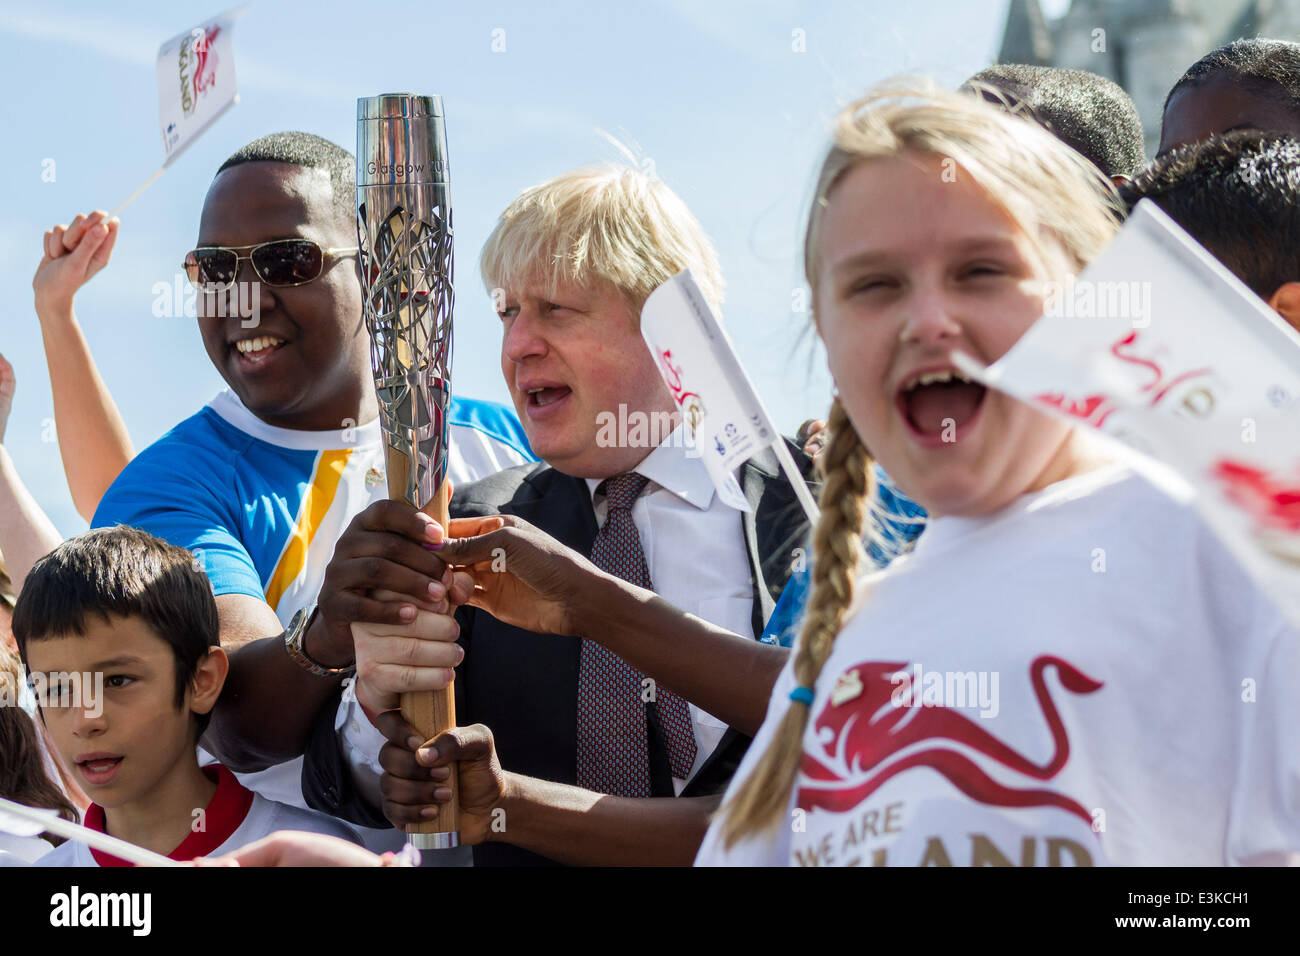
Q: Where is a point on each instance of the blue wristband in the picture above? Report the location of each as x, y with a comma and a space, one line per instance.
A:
803, 695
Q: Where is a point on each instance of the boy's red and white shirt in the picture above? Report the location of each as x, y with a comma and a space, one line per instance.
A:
1082, 678
235, 817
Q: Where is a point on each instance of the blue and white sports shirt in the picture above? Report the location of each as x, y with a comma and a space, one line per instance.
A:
262, 507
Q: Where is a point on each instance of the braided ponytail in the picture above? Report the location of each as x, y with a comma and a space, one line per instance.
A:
761, 800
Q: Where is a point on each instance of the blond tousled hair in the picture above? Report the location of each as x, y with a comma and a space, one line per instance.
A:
611, 225
1055, 196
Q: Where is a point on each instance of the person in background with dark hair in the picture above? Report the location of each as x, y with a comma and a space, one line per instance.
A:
25, 775
16, 692
1238, 196
261, 483
118, 631
1247, 84
1089, 113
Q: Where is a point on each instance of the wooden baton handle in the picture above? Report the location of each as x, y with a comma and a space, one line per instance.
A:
431, 712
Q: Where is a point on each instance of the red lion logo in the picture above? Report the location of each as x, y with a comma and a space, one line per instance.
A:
205, 68
855, 756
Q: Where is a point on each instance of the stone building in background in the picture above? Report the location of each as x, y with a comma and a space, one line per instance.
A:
1143, 45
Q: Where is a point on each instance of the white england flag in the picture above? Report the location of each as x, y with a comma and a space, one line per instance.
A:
723, 414
1159, 346
196, 81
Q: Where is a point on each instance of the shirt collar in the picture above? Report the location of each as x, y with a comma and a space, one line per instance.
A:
221, 818
228, 406
676, 468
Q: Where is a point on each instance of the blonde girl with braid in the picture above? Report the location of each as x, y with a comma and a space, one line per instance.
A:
1067, 668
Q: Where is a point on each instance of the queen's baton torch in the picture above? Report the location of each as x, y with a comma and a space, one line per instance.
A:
404, 232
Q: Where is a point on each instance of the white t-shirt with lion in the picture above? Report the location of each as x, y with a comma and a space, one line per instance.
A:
1085, 677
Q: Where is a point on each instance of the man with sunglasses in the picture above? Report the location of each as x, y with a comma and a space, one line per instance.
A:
262, 482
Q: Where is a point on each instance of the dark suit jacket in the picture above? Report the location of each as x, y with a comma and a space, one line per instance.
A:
525, 686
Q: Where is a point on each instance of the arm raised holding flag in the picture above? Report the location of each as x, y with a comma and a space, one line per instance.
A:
196, 86
93, 439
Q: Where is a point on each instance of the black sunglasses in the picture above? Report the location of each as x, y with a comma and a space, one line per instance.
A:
280, 262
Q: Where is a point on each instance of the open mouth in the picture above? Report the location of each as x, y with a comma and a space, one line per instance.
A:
541, 397
255, 351
99, 769
939, 403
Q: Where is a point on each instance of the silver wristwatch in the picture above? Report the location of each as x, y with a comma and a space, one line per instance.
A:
294, 636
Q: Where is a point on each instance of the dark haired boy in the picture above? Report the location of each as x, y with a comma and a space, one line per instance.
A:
1089, 113
1238, 196
118, 630
262, 482
1246, 84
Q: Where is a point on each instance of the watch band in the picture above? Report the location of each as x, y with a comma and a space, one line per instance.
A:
295, 636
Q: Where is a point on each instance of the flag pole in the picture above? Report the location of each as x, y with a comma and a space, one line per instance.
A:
173, 156
136, 195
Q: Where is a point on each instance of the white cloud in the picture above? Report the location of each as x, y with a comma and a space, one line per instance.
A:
111, 38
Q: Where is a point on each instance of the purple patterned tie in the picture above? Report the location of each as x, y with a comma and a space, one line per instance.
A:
613, 754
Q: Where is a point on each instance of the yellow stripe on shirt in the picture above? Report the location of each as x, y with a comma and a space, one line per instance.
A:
315, 503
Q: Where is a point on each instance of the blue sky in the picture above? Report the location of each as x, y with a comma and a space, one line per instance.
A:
710, 92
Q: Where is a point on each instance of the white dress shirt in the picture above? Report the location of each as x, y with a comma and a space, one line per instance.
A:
695, 552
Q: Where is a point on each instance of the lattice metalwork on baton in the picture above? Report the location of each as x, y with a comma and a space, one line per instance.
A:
405, 236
